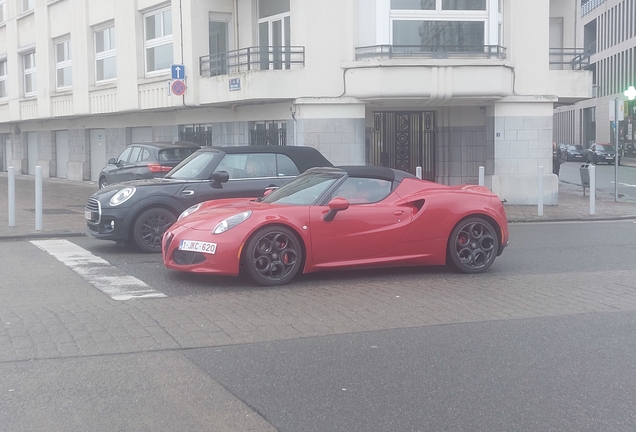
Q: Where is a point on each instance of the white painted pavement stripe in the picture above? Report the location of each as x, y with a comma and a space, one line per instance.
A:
97, 271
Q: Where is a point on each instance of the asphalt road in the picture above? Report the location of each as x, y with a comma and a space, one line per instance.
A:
543, 342
605, 178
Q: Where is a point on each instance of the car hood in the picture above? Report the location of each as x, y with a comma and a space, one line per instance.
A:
213, 212
168, 186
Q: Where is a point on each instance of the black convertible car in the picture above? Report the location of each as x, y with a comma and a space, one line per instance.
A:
142, 210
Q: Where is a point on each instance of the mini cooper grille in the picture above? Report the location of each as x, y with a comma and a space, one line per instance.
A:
188, 257
93, 206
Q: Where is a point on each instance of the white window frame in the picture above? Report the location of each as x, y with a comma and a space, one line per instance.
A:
488, 17
156, 42
30, 72
109, 51
26, 5
3, 78
65, 63
3, 11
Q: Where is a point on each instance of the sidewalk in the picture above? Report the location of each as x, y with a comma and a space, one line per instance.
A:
64, 201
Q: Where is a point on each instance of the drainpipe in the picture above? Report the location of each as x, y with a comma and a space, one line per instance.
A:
236, 25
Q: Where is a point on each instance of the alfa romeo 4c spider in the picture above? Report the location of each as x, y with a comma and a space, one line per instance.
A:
340, 218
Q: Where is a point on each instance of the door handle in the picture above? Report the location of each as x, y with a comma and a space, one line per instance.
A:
187, 192
398, 212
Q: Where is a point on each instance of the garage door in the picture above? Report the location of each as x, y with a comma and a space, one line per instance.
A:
61, 153
32, 151
141, 134
97, 152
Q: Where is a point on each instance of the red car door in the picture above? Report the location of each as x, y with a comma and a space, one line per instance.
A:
363, 231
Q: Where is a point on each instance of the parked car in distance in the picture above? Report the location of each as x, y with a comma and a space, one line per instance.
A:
340, 218
145, 160
141, 210
598, 153
574, 152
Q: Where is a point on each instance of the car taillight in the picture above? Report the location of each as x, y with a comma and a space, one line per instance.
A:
158, 168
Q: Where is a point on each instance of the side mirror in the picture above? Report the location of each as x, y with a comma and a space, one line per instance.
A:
335, 205
112, 161
219, 177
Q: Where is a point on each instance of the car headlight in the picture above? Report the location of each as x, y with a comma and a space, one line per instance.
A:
189, 211
122, 196
231, 222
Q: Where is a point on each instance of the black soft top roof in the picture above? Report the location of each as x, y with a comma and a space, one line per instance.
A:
372, 171
304, 157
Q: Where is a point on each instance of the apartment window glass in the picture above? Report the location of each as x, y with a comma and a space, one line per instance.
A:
158, 40
63, 64
274, 36
3, 78
446, 25
26, 5
3, 11
29, 77
105, 55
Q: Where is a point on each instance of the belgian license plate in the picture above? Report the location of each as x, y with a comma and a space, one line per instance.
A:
88, 215
197, 246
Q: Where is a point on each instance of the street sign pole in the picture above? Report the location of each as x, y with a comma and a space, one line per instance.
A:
616, 119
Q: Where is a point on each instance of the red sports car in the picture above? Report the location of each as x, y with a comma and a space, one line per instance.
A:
338, 218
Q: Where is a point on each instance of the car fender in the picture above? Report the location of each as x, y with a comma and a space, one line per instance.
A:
163, 201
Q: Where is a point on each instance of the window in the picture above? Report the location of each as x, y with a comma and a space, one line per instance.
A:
274, 38
444, 25
105, 55
3, 11
363, 190
26, 5
28, 69
3, 78
123, 157
158, 40
248, 165
63, 69
218, 33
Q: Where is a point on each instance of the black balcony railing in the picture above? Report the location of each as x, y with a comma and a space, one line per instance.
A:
569, 58
382, 52
268, 137
252, 58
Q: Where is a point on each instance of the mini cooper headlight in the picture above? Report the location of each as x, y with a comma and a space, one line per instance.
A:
189, 211
122, 196
231, 222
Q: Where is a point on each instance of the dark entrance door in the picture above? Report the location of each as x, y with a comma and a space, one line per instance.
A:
404, 140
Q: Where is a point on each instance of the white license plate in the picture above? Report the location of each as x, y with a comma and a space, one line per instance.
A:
88, 215
197, 246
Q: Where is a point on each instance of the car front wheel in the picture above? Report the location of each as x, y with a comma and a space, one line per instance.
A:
273, 256
473, 245
149, 228
102, 182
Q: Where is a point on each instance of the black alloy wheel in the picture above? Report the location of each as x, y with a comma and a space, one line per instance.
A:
273, 256
102, 182
473, 245
149, 228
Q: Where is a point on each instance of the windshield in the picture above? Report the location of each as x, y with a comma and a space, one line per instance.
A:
303, 190
191, 168
604, 148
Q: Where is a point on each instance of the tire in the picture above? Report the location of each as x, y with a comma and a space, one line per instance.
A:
473, 245
273, 256
149, 228
102, 182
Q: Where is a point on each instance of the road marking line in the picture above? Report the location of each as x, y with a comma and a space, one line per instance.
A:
97, 271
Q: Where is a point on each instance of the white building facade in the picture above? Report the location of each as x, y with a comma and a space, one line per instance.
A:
447, 85
608, 28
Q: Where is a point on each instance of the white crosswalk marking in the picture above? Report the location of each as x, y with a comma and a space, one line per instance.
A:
99, 272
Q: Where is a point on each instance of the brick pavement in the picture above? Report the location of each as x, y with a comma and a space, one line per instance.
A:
77, 321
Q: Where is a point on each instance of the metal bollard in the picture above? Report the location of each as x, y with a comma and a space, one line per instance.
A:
418, 172
11, 175
482, 171
540, 194
38, 198
592, 188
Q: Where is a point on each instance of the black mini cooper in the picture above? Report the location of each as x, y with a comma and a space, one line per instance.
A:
142, 210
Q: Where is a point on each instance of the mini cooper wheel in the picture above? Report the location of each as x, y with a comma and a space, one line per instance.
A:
273, 256
102, 182
149, 228
473, 245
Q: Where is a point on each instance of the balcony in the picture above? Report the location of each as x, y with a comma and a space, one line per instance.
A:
569, 59
252, 58
382, 52
590, 6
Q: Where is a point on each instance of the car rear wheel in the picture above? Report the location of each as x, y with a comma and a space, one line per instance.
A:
102, 182
273, 256
149, 228
473, 245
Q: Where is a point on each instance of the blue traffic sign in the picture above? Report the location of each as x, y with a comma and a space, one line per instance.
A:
177, 71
